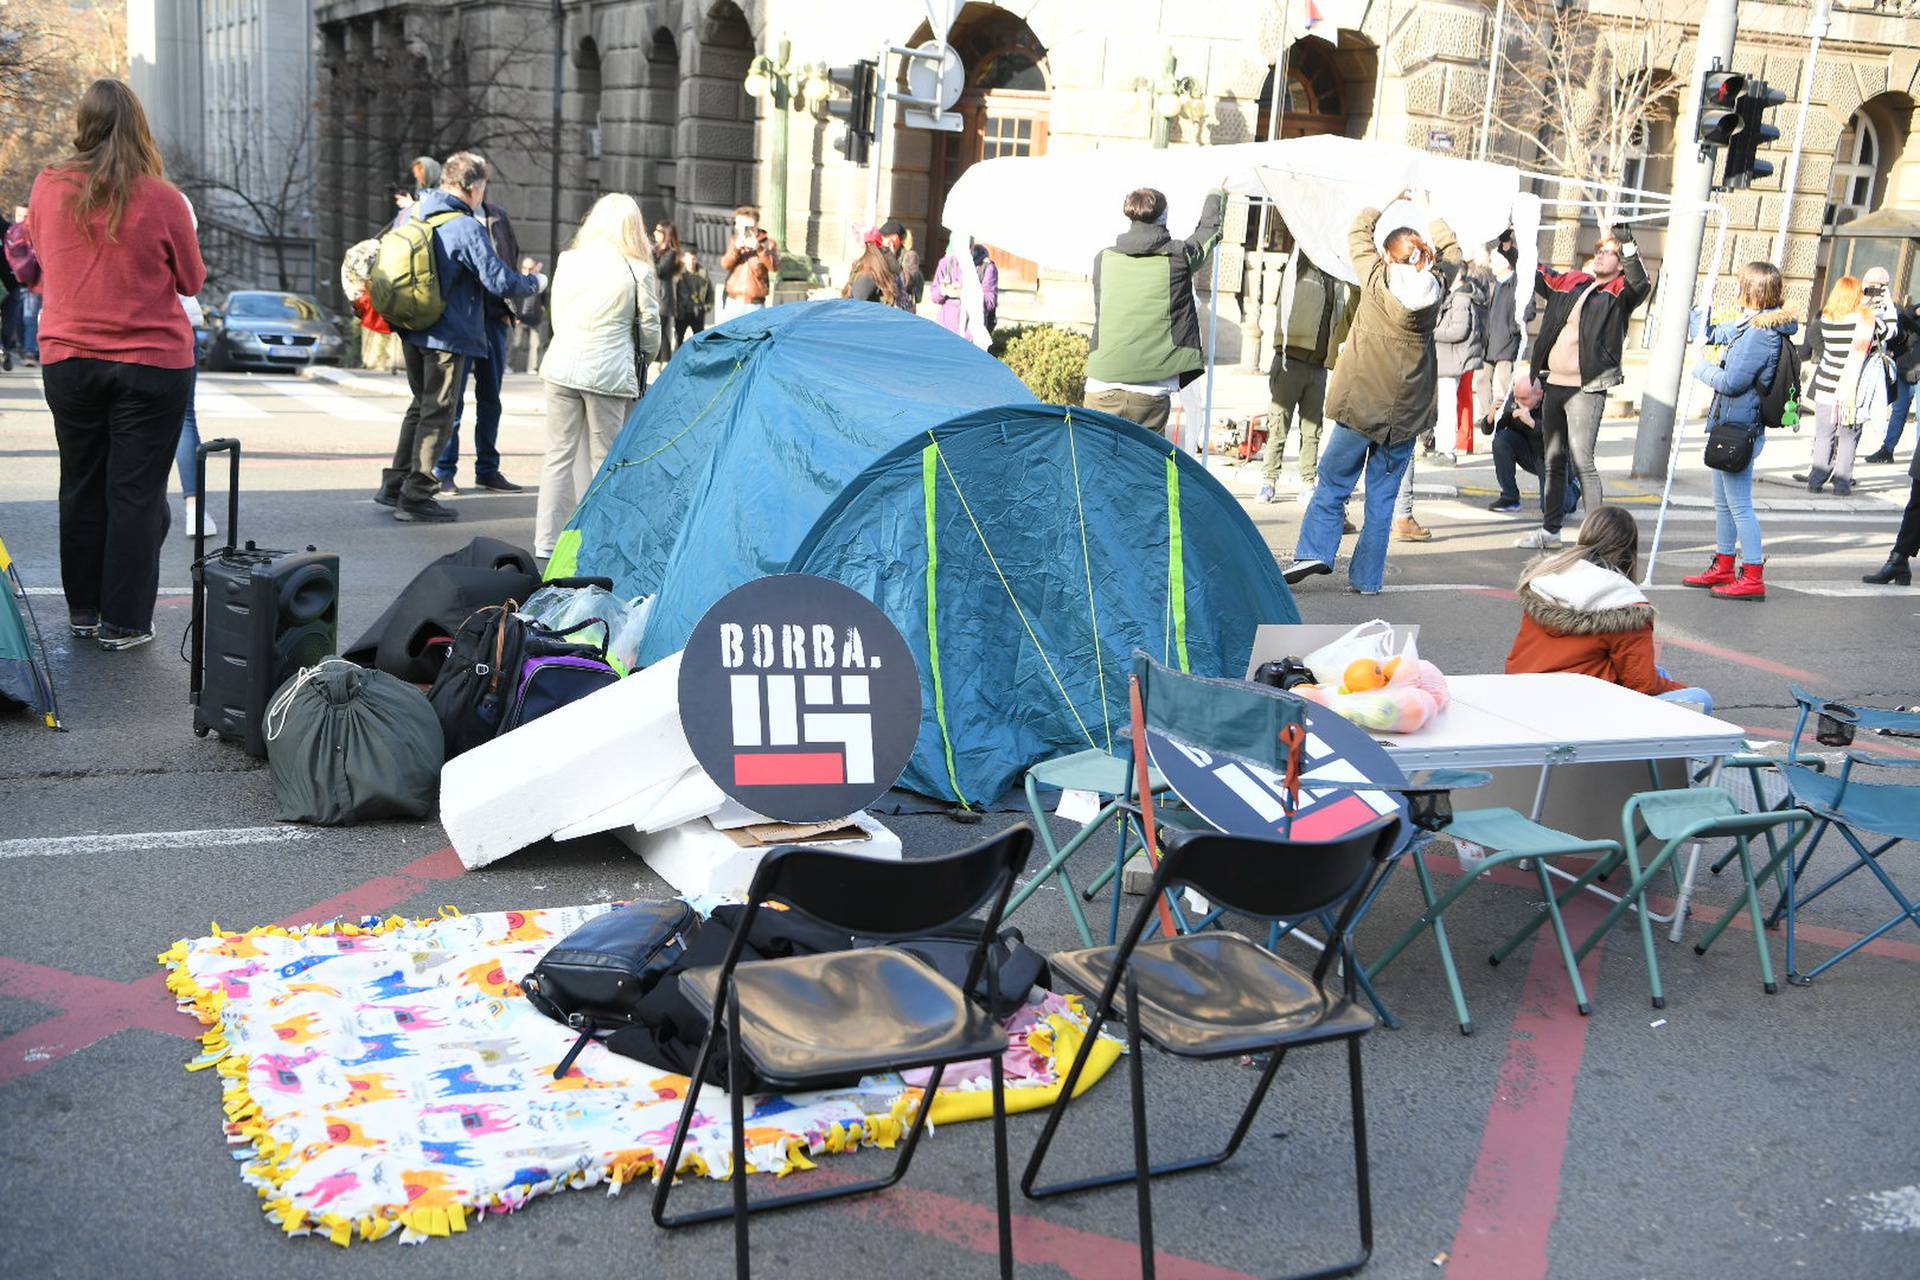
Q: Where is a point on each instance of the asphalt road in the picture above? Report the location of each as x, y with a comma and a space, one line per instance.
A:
1732, 1134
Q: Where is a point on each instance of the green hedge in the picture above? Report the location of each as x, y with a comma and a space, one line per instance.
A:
1052, 361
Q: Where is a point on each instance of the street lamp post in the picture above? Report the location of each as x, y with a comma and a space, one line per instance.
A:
782, 85
1171, 96
559, 67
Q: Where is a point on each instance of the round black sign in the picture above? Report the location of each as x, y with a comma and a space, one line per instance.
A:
799, 698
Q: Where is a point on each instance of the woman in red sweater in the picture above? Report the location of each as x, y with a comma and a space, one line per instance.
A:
1582, 613
117, 249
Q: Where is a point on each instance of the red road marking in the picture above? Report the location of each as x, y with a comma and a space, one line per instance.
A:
1084, 1255
1744, 659
94, 1008
1514, 1194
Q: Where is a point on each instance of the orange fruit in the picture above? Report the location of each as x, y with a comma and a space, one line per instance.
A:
1363, 674
1393, 665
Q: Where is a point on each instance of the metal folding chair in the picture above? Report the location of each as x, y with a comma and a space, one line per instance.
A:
1218, 995
1849, 807
808, 1020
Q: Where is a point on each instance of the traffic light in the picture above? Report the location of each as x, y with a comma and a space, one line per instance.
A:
1718, 120
856, 109
1743, 164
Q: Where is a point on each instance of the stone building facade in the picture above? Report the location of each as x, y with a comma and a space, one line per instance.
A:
653, 103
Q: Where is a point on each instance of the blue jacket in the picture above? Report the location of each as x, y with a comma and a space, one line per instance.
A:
1747, 366
468, 268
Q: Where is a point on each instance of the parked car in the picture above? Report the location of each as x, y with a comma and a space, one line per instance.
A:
262, 329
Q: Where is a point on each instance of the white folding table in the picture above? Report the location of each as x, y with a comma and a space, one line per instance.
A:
1547, 722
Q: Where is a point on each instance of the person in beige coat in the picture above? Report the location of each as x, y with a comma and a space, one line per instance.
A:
1382, 393
605, 309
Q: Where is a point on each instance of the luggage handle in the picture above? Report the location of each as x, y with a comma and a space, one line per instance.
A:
231, 446
574, 584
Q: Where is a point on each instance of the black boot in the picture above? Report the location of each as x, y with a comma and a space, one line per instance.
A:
1879, 455
1817, 479
391, 479
1895, 572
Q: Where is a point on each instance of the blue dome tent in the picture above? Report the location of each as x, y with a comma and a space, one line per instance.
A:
1024, 550
752, 431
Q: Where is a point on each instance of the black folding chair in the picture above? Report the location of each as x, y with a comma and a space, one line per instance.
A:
1219, 995
810, 1020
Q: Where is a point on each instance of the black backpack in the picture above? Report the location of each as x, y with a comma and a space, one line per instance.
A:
1780, 401
478, 684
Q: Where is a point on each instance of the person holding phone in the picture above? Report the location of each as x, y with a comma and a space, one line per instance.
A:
751, 261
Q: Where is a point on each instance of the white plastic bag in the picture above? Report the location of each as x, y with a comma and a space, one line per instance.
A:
1368, 640
563, 608
624, 651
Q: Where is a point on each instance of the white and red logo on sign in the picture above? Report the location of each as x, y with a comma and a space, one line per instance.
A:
799, 698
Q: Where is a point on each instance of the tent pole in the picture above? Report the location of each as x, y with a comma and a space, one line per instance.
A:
1686, 400
1213, 330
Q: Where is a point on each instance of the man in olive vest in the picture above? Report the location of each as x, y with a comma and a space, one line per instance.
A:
1304, 347
1146, 329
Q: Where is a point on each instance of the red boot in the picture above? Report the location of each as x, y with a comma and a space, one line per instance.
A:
1747, 587
1718, 573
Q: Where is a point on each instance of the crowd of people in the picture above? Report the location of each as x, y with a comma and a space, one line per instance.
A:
1429, 345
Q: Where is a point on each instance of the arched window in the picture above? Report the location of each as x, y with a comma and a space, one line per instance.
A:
1314, 102
1856, 173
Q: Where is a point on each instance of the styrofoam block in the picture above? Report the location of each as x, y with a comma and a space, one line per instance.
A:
572, 762
621, 812
693, 795
696, 859
733, 814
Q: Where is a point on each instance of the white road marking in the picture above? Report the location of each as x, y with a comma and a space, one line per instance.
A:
326, 400
213, 400
1895, 1210
148, 841
60, 591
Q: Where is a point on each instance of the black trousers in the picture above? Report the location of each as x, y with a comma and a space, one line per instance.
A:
117, 425
1907, 541
434, 377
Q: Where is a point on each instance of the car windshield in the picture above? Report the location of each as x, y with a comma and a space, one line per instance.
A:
272, 306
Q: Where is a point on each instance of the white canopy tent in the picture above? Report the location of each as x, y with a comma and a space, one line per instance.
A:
1061, 210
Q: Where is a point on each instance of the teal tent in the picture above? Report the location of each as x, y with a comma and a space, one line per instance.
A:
1025, 550
25, 682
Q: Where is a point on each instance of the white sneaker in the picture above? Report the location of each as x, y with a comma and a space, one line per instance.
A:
1538, 540
206, 521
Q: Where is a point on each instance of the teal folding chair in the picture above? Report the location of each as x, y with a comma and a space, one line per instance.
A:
1676, 818
1513, 838
1105, 775
1841, 804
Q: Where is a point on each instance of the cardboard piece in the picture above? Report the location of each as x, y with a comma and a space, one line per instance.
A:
582, 759
696, 859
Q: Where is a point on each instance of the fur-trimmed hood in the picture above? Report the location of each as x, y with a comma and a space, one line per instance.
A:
1783, 318
1585, 599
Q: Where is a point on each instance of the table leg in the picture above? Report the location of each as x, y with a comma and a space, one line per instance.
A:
1693, 865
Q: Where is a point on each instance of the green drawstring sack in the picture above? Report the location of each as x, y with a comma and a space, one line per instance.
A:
346, 744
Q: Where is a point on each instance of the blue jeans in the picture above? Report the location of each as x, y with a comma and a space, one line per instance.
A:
1735, 526
1897, 416
1692, 693
487, 377
1344, 455
30, 324
189, 445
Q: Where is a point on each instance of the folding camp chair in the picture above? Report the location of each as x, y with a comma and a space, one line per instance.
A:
808, 1020
1678, 818
1105, 776
1510, 837
1849, 807
1218, 995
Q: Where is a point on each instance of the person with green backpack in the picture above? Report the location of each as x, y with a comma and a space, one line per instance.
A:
430, 278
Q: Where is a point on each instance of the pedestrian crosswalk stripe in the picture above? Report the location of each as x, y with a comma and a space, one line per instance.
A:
326, 400
212, 400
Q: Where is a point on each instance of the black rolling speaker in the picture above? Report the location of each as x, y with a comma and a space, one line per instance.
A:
258, 617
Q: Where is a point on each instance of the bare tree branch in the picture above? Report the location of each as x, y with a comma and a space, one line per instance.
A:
1580, 92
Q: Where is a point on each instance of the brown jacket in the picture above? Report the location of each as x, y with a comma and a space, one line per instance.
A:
1610, 641
1384, 381
750, 273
